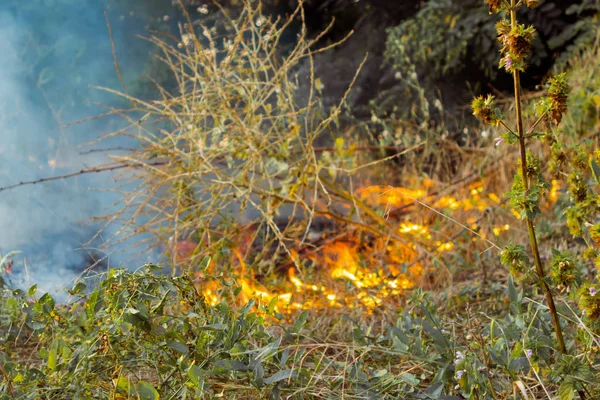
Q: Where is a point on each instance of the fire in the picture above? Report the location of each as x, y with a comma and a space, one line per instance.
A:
363, 271
395, 196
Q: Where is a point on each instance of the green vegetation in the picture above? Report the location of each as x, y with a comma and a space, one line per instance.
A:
141, 334
445, 34
478, 319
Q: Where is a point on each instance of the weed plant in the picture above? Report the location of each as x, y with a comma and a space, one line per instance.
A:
529, 186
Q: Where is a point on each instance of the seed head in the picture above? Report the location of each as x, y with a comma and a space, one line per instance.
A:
486, 110
495, 5
519, 41
559, 93
532, 3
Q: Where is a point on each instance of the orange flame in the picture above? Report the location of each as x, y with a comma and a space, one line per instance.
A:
353, 273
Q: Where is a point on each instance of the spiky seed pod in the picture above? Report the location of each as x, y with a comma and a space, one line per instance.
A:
503, 30
579, 159
520, 40
558, 158
559, 93
532, 3
590, 254
515, 257
595, 234
589, 301
486, 110
495, 5
575, 220
534, 165
564, 270
578, 187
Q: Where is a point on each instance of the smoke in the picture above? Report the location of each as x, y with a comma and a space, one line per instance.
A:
50, 57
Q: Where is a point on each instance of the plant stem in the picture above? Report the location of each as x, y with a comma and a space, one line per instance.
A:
530, 227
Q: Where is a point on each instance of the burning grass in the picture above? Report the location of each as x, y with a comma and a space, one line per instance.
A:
230, 169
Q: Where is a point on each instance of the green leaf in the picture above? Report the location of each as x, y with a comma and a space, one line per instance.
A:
410, 379
273, 304
178, 347
435, 334
232, 365
284, 357
399, 345
435, 390
32, 290
512, 290
158, 308
380, 373
280, 376
276, 167
19, 378
339, 145
153, 268
36, 325
123, 384
300, 321
517, 351
93, 304
53, 357
195, 376
595, 169
259, 373
212, 327
47, 303
566, 391
319, 85
238, 349
135, 318
78, 288
147, 391
247, 307
204, 264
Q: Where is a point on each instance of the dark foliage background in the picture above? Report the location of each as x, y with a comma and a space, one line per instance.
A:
438, 39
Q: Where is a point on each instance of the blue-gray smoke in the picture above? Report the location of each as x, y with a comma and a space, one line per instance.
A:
51, 51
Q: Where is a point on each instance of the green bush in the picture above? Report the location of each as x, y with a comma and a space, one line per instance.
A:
445, 36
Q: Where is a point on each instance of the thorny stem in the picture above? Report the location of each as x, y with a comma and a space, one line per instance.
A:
530, 227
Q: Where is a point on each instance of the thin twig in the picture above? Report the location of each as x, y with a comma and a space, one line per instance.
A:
114, 52
107, 149
84, 171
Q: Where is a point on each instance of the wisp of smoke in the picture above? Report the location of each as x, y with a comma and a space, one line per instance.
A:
50, 55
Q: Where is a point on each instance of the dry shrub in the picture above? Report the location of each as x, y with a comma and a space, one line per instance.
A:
229, 165
231, 148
